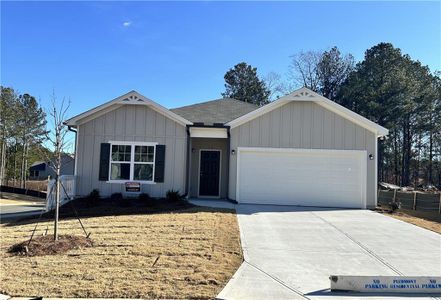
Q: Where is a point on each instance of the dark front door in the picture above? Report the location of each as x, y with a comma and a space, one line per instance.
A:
209, 173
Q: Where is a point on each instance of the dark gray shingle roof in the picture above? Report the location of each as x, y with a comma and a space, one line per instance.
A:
215, 111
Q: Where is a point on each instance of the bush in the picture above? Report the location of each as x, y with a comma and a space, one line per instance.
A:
146, 199
94, 196
394, 206
173, 196
117, 197
119, 200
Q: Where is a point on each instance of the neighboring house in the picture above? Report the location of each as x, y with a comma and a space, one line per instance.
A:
301, 149
41, 170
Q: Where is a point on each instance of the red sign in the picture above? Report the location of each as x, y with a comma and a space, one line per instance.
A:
133, 187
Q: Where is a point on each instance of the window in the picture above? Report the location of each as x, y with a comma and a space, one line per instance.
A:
132, 161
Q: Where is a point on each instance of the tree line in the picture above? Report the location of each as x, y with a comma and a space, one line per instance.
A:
387, 87
22, 132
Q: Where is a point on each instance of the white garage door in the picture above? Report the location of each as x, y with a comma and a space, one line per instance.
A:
327, 178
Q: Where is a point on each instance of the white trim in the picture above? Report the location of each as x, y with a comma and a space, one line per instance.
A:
133, 143
130, 98
305, 94
132, 161
361, 153
376, 171
208, 132
220, 173
77, 137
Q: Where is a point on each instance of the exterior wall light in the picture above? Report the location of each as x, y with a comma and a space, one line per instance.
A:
371, 156
233, 152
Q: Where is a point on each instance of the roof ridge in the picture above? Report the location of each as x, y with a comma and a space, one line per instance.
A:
214, 100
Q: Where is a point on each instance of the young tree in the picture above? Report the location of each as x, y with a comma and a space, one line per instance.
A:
242, 83
57, 140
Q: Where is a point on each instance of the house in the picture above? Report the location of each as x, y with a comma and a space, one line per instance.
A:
301, 149
41, 170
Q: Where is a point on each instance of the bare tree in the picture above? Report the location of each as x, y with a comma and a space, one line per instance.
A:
277, 86
57, 140
303, 69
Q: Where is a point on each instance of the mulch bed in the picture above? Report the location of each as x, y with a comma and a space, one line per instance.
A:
45, 245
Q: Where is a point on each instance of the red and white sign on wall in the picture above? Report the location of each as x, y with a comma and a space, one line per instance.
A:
133, 187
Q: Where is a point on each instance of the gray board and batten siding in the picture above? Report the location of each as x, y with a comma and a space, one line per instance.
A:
137, 123
307, 125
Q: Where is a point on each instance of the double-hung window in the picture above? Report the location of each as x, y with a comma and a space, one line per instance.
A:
132, 161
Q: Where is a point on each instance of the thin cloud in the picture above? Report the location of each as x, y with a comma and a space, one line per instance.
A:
127, 24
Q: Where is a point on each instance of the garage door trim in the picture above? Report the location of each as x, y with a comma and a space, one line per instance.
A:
362, 154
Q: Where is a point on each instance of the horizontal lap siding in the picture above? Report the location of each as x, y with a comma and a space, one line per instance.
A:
130, 123
304, 125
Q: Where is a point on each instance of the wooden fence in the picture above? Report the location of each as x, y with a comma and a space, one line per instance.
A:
411, 200
16, 190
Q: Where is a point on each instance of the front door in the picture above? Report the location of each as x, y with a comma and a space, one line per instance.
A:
209, 173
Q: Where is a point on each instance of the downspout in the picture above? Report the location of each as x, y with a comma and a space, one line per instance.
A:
75, 147
187, 163
228, 161
75, 158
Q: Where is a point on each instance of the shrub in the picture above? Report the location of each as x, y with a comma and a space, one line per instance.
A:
94, 196
146, 199
173, 196
394, 206
116, 197
119, 200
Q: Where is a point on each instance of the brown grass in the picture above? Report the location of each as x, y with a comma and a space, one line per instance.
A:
190, 252
426, 219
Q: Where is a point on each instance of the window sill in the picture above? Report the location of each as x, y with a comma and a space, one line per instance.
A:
124, 181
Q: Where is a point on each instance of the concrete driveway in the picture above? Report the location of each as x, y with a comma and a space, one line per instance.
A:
290, 252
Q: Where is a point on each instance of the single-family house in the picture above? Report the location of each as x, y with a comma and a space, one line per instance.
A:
41, 170
301, 149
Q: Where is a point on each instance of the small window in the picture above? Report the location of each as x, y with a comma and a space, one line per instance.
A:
132, 162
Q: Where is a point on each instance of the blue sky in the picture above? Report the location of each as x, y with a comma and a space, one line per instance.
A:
176, 53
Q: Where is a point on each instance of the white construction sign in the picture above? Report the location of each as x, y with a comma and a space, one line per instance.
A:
386, 284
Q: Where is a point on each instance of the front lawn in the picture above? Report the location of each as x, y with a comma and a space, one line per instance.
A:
174, 251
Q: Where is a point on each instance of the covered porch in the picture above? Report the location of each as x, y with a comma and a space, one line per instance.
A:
208, 162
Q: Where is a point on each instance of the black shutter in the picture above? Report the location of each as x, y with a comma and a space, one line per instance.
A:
104, 161
159, 163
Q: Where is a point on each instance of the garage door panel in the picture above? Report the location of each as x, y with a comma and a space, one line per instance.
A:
309, 177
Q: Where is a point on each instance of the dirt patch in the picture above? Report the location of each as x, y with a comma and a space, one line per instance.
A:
46, 245
426, 219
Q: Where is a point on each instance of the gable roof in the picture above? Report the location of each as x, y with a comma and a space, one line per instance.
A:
215, 111
305, 94
130, 98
